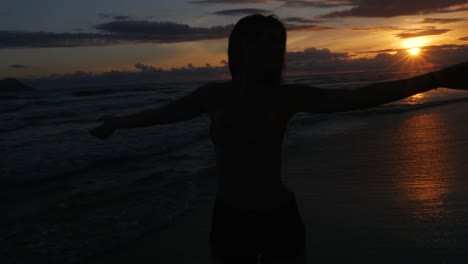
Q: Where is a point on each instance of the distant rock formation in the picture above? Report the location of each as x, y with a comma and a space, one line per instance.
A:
12, 85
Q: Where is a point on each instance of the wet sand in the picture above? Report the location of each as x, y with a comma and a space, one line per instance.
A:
390, 188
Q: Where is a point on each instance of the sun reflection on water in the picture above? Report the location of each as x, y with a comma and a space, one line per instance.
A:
415, 99
423, 166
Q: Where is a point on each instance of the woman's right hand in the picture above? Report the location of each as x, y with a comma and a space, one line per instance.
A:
106, 129
454, 77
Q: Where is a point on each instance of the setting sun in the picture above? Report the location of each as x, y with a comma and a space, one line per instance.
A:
414, 51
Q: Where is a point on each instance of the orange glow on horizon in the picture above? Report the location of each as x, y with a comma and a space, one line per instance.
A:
414, 43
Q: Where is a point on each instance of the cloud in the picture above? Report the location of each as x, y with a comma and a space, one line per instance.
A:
407, 33
115, 32
125, 32
317, 3
113, 16
427, 31
303, 24
442, 20
310, 60
324, 60
121, 17
142, 74
24, 39
163, 31
305, 27
300, 20
439, 55
364, 8
429, 49
241, 11
313, 59
380, 28
18, 66
380, 51
391, 8
464, 38
103, 15
296, 3
445, 55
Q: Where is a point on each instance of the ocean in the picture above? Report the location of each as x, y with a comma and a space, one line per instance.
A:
51, 166
45, 134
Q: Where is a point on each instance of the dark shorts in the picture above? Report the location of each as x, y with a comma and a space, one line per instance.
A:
243, 236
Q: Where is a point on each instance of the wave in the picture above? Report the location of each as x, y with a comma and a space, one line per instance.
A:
168, 91
403, 108
133, 90
92, 93
304, 120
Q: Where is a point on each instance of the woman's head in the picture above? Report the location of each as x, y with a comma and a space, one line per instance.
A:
257, 45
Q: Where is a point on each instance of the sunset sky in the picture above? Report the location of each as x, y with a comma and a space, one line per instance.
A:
169, 38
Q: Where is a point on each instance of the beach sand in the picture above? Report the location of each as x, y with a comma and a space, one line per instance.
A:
390, 188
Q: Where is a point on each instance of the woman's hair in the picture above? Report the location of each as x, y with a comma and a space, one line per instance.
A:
249, 29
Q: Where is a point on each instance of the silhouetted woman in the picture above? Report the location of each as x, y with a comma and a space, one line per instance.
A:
255, 215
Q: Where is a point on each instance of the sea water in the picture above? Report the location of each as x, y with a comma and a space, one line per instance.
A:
44, 135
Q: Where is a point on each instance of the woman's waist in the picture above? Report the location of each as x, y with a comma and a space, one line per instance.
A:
255, 199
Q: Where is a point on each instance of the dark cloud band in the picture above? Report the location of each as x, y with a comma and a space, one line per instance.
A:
115, 32
163, 31
428, 31
365, 8
300, 20
442, 20
18, 66
113, 16
391, 8
241, 12
24, 39
380, 28
287, 3
305, 27
317, 4
126, 32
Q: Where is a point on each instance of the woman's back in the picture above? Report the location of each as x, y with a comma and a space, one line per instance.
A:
248, 132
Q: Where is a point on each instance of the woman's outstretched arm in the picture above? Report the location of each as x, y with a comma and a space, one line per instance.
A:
182, 109
315, 100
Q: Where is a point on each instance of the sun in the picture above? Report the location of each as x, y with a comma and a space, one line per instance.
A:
413, 46
414, 51
415, 55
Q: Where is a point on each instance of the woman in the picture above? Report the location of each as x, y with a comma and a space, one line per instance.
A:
255, 215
